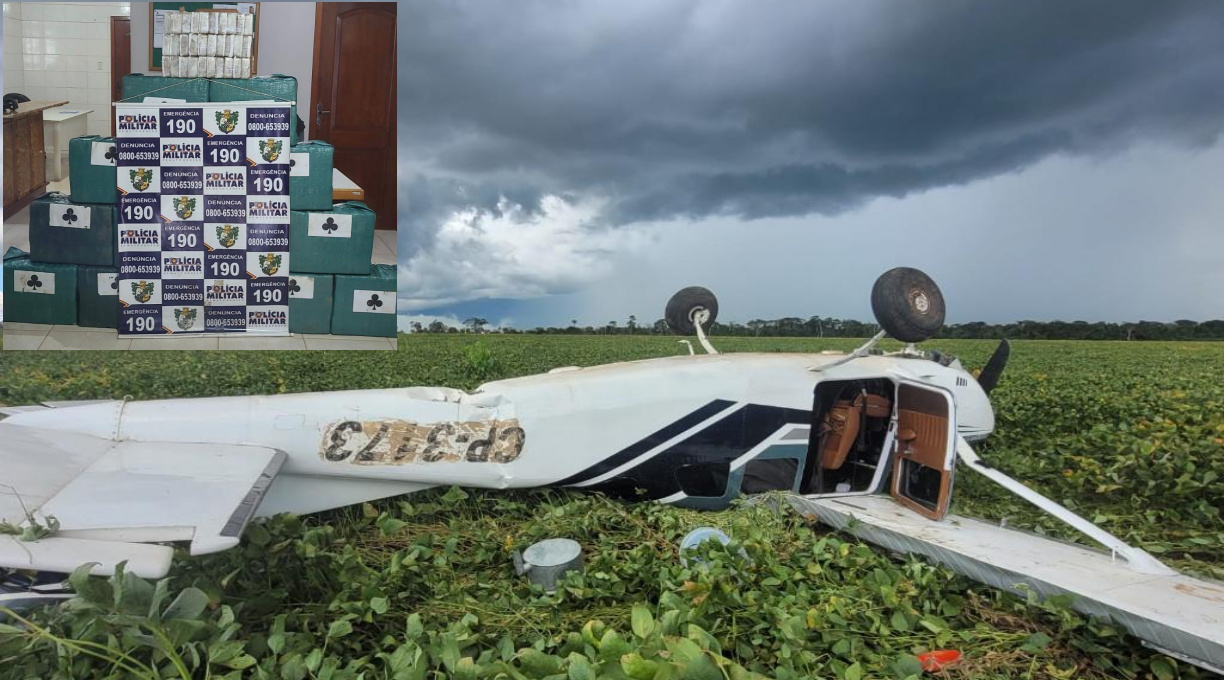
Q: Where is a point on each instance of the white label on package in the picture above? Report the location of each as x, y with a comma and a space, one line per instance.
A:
108, 284
34, 282
301, 287
374, 301
71, 216
299, 165
329, 224
102, 153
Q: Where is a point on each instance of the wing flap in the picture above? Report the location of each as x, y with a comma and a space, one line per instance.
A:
158, 489
36, 464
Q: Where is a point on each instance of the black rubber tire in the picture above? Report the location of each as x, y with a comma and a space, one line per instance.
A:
681, 306
907, 304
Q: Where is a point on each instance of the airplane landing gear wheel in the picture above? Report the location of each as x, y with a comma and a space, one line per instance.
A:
683, 309
907, 304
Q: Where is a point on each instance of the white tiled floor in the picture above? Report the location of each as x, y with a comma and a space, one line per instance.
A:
39, 336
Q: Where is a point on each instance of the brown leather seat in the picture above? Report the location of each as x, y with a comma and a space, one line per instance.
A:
842, 424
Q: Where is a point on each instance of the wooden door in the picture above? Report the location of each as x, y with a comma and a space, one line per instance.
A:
27, 158
121, 59
352, 96
925, 450
10, 166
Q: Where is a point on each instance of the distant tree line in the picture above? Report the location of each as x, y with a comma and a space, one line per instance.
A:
828, 327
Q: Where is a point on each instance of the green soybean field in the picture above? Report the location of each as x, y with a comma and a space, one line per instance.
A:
1128, 434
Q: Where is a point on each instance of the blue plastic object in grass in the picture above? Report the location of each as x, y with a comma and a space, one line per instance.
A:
700, 535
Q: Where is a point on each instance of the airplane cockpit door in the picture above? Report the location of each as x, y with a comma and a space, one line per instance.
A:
924, 461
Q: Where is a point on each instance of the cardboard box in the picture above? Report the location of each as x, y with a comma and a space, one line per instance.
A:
365, 305
276, 87
62, 231
137, 86
37, 292
336, 241
97, 296
310, 176
310, 303
91, 169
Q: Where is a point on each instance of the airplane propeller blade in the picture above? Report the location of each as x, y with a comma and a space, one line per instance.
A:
989, 377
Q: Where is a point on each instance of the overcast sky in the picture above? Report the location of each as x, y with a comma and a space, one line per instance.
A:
569, 159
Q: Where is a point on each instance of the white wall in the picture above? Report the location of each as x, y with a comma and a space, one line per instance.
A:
65, 54
61, 51
14, 76
286, 44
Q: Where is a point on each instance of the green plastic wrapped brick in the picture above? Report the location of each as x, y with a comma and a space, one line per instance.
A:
365, 305
310, 303
276, 87
336, 241
97, 296
310, 176
136, 86
91, 169
37, 292
66, 232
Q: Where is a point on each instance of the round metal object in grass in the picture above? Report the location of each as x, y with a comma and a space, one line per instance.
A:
546, 562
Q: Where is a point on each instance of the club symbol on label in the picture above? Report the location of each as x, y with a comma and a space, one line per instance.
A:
70, 216
374, 302
294, 287
330, 225
110, 155
34, 283
292, 162
115, 284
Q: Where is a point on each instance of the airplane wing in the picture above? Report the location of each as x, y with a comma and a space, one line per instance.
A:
112, 498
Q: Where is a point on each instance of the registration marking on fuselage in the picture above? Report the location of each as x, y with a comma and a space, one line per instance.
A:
403, 442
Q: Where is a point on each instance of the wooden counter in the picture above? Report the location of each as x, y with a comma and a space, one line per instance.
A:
25, 159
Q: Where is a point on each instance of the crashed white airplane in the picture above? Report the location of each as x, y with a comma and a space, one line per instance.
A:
867, 442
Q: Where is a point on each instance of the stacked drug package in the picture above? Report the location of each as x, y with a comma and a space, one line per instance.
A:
38, 292
137, 87
310, 175
276, 87
310, 302
207, 44
339, 243
365, 304
70, 237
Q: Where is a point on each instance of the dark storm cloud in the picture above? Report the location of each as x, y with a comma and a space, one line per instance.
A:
755, 109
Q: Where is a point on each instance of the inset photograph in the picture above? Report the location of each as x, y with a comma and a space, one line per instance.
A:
199, 176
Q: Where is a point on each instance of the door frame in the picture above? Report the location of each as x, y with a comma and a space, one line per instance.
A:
117, 78
386, 184
314, 75
881, 479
